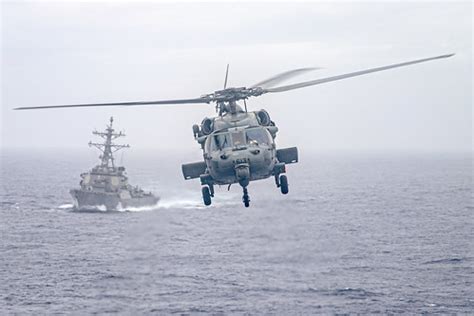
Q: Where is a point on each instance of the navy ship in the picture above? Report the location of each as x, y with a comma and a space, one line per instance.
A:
105, 187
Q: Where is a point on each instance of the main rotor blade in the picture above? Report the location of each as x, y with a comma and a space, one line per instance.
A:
282, 77
183, 101
349, 75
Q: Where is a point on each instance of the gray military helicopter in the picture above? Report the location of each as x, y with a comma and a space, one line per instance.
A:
238, 145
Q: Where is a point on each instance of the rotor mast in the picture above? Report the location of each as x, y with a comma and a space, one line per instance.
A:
108, 148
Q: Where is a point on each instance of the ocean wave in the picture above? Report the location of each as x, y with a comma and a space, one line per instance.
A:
448, 260
66, 206
352, 293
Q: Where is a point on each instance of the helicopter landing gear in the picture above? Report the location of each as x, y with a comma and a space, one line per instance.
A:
206, 196
284, 184
281, 182
246, 198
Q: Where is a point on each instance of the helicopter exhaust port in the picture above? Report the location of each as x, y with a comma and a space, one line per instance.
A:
196, 131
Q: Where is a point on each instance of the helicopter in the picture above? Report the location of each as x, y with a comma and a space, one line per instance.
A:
239, 145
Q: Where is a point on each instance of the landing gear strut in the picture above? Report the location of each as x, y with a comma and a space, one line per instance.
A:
246, 198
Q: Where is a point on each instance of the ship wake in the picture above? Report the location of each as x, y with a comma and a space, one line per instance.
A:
180, 203
138, 209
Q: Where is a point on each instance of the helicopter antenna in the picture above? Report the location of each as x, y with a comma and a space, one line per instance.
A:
226, 76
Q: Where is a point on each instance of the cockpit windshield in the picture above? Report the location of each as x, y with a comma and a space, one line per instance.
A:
257, 136
242, 138
220, 141
238, 139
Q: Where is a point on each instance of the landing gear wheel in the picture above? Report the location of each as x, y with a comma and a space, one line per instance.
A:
206, 196
284, 184
246, 198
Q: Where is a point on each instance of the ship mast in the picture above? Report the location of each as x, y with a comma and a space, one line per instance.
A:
108, 148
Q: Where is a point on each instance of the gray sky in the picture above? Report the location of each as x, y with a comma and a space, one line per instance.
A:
86, 52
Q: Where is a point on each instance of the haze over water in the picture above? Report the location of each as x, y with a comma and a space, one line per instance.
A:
358, 233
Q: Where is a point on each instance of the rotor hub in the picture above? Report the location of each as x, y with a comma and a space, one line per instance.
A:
233, 94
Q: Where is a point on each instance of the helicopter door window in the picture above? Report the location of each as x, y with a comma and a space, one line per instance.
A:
238, 139
257, 136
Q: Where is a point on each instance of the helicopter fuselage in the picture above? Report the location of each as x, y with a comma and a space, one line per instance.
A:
240, 154
238, 148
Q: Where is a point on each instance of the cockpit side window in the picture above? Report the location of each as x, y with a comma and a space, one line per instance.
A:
257, 136
208, 143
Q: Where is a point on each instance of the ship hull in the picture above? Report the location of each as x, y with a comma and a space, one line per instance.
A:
102, 201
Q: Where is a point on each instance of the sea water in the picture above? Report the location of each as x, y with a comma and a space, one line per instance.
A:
358, 233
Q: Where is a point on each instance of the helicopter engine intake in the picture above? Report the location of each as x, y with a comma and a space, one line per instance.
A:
207, 126
264, 118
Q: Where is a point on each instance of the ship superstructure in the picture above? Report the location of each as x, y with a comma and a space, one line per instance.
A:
105, 187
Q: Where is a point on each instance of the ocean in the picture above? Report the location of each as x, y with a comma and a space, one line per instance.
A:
358, 233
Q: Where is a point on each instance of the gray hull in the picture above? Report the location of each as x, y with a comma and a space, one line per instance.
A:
89, 200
